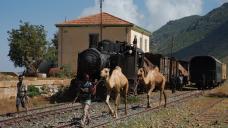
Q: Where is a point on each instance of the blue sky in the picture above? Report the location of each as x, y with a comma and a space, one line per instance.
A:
150, 14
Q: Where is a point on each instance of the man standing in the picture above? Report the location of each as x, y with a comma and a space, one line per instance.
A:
21, 94
173, 83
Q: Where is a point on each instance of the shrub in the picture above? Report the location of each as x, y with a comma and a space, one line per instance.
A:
33, 91
61, 95
65, 71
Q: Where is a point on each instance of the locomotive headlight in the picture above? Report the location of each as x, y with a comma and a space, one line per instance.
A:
130, 51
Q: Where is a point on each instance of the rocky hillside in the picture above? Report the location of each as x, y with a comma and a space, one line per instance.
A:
195, 35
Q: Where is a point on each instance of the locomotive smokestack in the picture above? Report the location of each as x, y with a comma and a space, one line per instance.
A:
135, 41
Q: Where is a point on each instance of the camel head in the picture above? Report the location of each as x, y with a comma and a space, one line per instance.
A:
141, 74
105, 73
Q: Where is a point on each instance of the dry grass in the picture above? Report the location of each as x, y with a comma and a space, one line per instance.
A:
221, 91
9, 105
179, 116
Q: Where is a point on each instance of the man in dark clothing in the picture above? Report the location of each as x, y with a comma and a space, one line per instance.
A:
173, 83
21, 98
85, 94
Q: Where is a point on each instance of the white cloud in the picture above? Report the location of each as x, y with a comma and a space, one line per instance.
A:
125, 9
162, 11
156, 14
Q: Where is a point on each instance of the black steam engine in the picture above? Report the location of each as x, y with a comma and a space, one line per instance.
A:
109, 54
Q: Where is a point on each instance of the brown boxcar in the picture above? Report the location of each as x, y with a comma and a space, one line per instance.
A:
167, 66
206, 71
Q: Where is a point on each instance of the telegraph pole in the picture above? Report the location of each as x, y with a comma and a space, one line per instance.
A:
171, 54
101, 2
171, 72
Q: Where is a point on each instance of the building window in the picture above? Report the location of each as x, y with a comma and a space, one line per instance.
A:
145, 45
136, 39
141, 43
93, 40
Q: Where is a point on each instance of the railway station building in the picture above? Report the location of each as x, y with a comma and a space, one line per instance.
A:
74, 36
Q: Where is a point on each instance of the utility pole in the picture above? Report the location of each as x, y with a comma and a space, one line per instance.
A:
171, 72
172, 41
101, 2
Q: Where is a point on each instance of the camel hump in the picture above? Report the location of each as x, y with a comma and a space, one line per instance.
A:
118, 68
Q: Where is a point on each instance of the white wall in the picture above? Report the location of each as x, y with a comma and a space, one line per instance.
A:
144, 45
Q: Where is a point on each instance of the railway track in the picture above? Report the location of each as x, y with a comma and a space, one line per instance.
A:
13, 114
134, 110
38, 112
54, 110
208, 114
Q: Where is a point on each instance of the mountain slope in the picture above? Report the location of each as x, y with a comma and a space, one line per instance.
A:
195, 35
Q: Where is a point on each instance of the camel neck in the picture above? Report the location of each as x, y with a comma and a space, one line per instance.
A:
145, 80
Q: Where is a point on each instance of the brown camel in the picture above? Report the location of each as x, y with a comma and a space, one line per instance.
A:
151, 78
116, 81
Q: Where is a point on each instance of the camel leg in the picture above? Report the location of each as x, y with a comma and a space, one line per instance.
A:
160, 97
116, 104
148, 96
107, 101
165, 97
125, 98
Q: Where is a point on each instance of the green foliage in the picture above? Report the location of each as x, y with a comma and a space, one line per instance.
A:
54, 41
51, 55
65, 71
28, 41
62, 95
33, 91
52, 50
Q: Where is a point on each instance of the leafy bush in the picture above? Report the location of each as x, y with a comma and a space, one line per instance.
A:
61, 96
33, 91
66, 94
65, 71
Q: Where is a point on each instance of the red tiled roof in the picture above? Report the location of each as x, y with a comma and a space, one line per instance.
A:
107, 19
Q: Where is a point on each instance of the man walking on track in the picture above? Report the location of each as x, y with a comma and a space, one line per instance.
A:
85, 93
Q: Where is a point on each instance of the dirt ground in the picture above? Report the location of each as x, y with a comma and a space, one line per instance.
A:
198, 112
9, 105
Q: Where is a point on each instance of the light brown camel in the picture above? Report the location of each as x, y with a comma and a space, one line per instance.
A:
116, 82
151, 78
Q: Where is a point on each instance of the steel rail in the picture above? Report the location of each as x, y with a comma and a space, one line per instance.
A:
35, 115
146, 110
97, 116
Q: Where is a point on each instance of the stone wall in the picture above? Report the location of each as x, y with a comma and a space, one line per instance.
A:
8, 88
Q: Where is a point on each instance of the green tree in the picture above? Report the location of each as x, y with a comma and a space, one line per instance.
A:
54, 41
27, 45
52, 50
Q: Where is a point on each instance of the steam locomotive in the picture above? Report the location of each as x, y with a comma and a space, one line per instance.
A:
202, 70
109, 54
